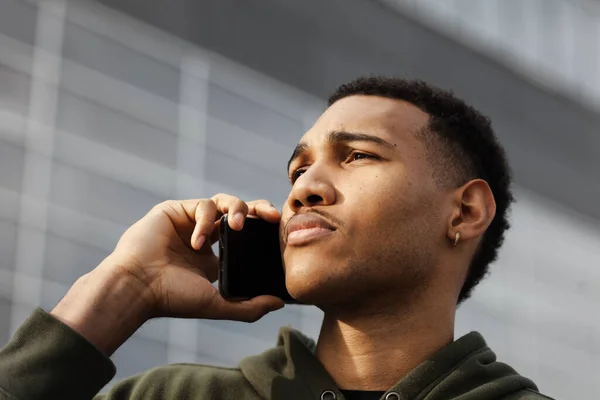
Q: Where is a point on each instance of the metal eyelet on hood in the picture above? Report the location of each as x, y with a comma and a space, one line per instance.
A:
392, 396
328, 395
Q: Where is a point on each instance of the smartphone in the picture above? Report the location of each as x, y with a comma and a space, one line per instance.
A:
250, 261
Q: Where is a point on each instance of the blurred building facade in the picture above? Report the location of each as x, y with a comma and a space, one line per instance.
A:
108, 109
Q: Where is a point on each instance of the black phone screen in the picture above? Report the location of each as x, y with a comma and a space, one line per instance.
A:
250, 262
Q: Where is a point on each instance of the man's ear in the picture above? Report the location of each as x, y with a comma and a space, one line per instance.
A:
474, 210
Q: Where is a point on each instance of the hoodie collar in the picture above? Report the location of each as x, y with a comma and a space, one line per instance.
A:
289, 370
467, 366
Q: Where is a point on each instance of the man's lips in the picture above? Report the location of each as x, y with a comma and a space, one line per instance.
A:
303, 228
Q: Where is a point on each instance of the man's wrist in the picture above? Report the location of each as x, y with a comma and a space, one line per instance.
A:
105, 307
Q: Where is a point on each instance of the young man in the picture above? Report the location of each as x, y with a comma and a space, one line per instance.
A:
398, 204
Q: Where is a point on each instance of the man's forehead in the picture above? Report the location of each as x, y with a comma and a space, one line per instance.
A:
394, 120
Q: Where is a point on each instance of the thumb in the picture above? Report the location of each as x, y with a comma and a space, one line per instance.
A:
248, 310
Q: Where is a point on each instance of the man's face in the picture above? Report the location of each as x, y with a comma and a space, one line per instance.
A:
364, 215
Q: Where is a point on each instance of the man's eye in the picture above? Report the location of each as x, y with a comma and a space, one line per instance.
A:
297, 174
361, 156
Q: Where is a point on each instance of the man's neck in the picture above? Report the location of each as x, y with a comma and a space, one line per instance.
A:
373, 351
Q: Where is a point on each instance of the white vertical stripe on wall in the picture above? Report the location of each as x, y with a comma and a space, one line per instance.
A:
193, 92
39, 137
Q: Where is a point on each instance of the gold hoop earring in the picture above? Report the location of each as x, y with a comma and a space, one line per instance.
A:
456, 238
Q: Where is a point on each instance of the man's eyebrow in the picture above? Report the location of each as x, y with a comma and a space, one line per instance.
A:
338, 137
342, 136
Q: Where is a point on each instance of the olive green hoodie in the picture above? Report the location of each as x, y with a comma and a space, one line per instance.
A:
46, 359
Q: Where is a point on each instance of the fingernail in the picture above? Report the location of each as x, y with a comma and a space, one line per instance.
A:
238, 218
200, 241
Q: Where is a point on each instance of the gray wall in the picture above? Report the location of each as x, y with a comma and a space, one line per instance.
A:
102, 116
314, 45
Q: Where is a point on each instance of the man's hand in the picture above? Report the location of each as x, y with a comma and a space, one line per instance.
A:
163, 266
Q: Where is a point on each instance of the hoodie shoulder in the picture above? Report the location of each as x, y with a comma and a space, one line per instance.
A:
189, 381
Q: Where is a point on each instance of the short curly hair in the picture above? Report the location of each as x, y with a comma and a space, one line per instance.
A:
461, 146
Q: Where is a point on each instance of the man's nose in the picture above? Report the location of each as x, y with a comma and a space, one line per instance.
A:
312, 189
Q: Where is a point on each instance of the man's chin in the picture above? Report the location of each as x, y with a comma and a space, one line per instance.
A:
306, 293
306, 282
315, 284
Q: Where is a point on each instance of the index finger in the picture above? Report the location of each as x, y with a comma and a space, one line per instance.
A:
264, 209
208, 211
